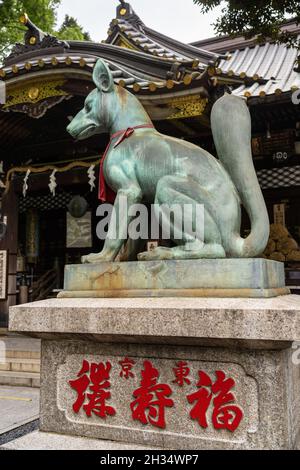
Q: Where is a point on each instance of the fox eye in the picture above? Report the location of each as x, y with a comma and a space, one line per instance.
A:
88, 107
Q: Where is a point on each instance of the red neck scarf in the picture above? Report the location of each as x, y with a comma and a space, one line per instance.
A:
106, 194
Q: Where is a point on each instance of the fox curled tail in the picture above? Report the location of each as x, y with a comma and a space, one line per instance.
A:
231, 128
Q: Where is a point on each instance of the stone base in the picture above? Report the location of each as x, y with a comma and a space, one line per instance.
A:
186, 293
257, 278
247, 344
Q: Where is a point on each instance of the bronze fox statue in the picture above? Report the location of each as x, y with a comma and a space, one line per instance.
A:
159, 169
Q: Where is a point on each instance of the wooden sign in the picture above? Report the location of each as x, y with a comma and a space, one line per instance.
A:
3, 274
279, 214
79, 231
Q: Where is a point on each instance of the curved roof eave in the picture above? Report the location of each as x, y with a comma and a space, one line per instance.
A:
77, 66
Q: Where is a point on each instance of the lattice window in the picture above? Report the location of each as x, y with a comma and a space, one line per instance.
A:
45, 202
279, 177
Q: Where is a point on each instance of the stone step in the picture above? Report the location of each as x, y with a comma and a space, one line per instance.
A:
20, 379
19, 354
20, 361
21, 365
20, 347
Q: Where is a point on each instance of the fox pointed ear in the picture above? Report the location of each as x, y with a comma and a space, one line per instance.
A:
102, 77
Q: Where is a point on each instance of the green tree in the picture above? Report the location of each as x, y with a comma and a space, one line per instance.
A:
42, 13
70, 29
261, 18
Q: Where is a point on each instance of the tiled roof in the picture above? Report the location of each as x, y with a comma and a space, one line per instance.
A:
146, 61
130, 32
142, 64
273, 62
152, 42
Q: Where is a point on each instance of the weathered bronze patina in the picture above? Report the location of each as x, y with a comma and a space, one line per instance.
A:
153, 167
258, 278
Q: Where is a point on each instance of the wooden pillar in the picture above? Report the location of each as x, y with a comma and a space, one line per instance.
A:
10, 243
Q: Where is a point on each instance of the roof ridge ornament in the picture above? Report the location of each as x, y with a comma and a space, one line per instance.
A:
34, 38
126, 12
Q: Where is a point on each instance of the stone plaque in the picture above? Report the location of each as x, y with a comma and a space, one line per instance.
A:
183, 398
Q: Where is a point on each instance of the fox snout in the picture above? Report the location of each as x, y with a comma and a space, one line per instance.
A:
82, 126
71, 129
76, 126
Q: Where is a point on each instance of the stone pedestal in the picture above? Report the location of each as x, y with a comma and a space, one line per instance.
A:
258, 278
169, 373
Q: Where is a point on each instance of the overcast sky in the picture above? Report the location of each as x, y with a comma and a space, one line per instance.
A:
180, 19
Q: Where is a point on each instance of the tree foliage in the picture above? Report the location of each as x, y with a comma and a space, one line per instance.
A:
70, 29
42, 13
261, 18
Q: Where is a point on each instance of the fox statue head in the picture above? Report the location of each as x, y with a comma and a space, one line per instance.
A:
93, 118
108, 108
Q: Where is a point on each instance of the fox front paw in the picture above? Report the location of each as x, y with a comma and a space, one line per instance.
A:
94, 258
160, 253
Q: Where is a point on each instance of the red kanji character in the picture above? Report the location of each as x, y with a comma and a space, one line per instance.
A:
145, 398
181, 373
203, 398
223, 417
80, 385
97, 382
126, 365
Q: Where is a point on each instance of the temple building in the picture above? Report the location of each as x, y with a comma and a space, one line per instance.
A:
49, 181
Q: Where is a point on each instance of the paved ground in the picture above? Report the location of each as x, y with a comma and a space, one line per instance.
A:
45, 441
19, 406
